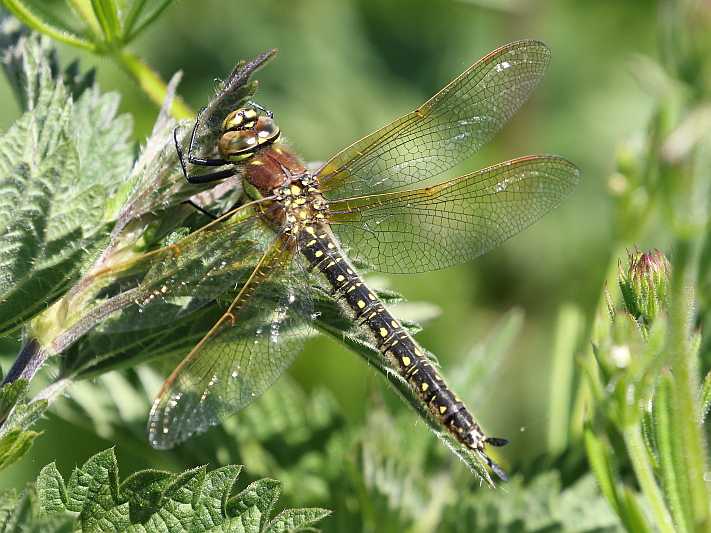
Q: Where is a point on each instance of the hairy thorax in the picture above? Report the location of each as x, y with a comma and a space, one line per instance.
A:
298, 202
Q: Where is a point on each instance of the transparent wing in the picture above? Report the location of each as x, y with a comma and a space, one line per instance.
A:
245, 352
452, 222
179, 279
445, 130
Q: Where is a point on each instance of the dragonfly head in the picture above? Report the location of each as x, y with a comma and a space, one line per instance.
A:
244, 131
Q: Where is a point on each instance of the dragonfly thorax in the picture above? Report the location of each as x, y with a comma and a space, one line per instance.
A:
302, 202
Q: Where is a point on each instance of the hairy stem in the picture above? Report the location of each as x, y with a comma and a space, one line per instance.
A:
645, 476
151, 83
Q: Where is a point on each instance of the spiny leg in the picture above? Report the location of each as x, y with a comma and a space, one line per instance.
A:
200, 209
201, 178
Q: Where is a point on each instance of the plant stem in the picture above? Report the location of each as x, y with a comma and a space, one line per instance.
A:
31, 20
643, 470
85, 11
27, 362
151, 83
684, 369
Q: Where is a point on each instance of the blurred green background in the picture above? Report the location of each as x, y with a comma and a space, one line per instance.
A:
348, 67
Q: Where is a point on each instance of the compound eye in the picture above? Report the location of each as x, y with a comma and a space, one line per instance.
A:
266, 129
240, 119
237, 143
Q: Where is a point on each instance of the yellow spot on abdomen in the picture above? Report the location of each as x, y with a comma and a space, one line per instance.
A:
442, 409
406, 361
340, 277
424, 387
360, 304
318, 253
383, 332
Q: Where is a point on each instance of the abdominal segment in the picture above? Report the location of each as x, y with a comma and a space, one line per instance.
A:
318, 245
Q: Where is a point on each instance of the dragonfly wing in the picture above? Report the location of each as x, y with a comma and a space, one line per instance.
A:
245, 352
454, 221
177, 280
445, 130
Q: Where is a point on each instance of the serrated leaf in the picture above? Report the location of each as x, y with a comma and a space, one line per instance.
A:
216, 490
540, 504
157, 501
11, 394
21, 514
296, 519
52, 491
103, 139
54, 184
16, 416
14, 445
144, 491
255, 502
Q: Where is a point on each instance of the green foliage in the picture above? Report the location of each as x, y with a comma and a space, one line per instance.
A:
380, 474
60, 162
94, 499
626, 444
540, 504
643, 375
17, 416
102, 27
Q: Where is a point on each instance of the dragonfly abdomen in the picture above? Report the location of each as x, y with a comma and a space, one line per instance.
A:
321, 250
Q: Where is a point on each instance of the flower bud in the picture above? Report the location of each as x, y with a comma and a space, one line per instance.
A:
645, 284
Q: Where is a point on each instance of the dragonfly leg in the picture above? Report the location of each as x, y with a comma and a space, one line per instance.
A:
200, 178
202, 210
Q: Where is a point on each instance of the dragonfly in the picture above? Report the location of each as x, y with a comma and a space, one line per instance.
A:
369, 204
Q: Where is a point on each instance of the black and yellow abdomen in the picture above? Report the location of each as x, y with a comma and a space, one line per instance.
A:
319, 246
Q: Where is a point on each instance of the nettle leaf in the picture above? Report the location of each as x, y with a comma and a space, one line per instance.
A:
17, 415
539, 505
296, 519
58, 164
158, 501
21, 513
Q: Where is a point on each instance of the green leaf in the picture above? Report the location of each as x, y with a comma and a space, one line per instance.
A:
255, 502
59, 163
16, 416
296, 519
142, 16
11, 394
539, 504
600, 458
568, 331
106, 12
671, 455
14, 445
20, 514
41, 20
157, 501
